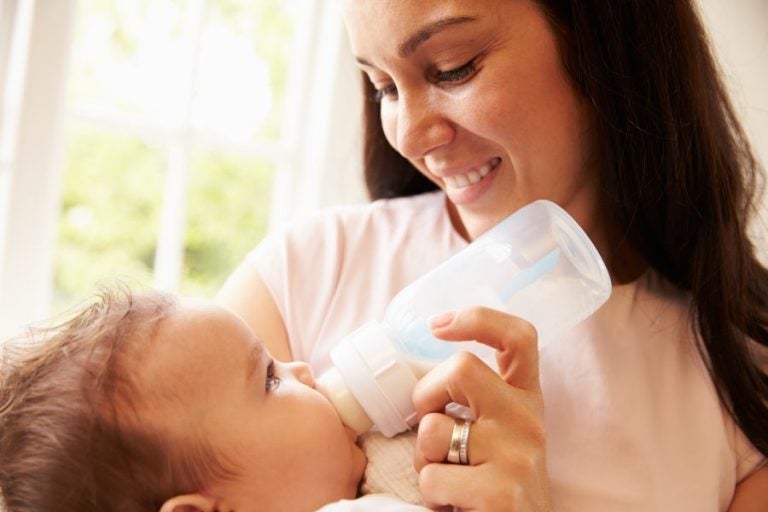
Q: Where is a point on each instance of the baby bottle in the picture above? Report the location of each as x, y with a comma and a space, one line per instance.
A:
536, 264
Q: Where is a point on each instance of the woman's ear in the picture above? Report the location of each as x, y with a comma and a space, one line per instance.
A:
189, 503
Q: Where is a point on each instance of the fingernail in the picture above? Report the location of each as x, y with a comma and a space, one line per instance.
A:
441, 319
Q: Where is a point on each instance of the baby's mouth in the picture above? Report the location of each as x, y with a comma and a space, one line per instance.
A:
351, 434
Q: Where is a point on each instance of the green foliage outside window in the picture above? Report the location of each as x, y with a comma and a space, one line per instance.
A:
112, 194
227, 212
128, 66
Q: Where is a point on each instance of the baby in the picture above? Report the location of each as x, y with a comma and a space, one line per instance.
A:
149, 402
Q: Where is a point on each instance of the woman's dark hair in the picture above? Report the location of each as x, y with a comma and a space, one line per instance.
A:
677, 172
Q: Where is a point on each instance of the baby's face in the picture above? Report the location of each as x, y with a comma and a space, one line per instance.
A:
284, 439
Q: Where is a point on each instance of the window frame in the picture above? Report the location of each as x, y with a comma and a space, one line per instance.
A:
36, 56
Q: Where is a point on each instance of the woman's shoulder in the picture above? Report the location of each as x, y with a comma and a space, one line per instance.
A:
383, 222
383, 211
384, 232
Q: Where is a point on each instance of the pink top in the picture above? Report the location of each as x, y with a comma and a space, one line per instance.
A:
633, 420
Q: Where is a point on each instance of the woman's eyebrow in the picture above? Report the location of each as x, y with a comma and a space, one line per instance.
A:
412, 43
420, 36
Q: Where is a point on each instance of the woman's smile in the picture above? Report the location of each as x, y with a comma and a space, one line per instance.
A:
466, 185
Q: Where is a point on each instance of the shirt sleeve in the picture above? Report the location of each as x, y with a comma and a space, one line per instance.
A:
300, 265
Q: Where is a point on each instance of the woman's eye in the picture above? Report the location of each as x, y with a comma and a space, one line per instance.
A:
386, 91
456, 75
272, 380
452, 76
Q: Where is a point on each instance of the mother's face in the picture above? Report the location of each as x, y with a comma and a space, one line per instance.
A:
473, 93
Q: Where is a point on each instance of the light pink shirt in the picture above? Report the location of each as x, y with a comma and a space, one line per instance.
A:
633, 421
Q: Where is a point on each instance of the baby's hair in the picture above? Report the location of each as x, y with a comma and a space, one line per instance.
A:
63, 445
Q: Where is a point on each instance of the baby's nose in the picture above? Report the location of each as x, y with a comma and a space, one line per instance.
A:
303, 372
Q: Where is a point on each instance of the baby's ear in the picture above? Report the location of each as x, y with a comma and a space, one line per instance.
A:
189, 503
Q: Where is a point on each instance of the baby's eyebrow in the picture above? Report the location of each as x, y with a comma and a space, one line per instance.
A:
253, 362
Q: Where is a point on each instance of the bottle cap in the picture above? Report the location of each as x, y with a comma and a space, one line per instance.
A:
369, 368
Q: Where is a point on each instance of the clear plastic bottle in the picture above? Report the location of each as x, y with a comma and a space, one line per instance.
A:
537, 264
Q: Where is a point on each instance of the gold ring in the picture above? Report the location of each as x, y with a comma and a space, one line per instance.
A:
457, 450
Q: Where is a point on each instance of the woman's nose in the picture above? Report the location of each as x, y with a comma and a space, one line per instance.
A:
422, 127
302, 372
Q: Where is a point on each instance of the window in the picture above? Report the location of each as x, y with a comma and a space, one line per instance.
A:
174, 131
158, 141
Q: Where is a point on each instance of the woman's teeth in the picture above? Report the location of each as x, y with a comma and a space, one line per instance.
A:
472, 177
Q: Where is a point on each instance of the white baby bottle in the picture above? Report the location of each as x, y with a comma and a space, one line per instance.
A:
537, 264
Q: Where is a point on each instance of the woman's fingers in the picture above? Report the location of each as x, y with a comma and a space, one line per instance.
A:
484, 488
434, 439
448, 484
514, 339
508, 421
501, 412
463, 379
506, 460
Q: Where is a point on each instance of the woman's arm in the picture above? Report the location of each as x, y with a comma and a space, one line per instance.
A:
246, 294
752, 493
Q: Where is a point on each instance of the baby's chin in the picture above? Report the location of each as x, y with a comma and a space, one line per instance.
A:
359, 460
358, 457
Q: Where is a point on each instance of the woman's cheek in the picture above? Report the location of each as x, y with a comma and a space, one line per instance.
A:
389, 124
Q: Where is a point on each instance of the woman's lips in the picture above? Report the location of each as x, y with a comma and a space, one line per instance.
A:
460, 181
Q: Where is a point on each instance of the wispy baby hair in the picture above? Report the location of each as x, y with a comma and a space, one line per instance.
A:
70, 436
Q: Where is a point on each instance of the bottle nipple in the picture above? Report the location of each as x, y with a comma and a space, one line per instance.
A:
332, 386
371, 382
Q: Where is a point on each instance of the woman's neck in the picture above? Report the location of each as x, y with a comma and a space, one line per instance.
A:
624, 263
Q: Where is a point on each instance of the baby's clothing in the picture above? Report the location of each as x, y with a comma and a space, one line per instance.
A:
633, 420
377, 502
390, 466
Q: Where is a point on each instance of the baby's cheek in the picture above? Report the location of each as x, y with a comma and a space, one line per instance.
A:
338, 462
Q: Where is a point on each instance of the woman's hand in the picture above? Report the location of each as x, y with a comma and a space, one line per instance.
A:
506, 447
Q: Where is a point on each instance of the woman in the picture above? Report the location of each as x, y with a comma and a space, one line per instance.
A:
615, 111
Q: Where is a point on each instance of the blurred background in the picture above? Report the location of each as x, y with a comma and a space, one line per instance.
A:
159, 140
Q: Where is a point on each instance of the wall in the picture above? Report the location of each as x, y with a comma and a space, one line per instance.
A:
739, 33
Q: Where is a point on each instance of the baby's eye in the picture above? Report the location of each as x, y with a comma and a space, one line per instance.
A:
458, 74
272, 380
386, 91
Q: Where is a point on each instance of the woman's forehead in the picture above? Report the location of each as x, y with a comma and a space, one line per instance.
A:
375, 25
